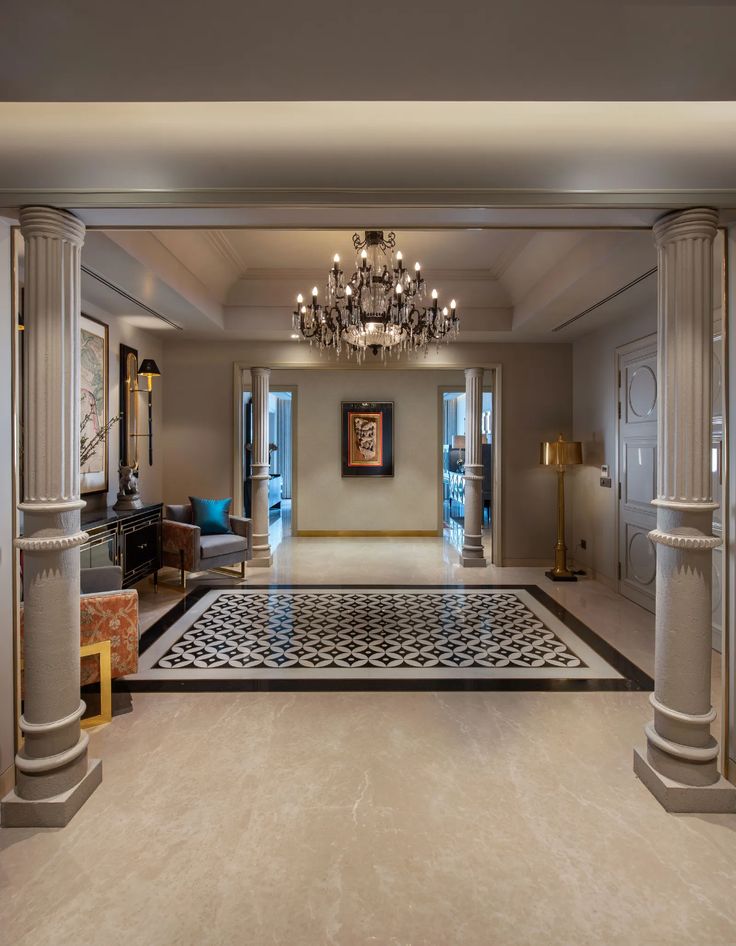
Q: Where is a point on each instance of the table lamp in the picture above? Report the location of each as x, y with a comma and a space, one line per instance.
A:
561, 453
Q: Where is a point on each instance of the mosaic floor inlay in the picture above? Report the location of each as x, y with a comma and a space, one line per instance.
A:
380, 634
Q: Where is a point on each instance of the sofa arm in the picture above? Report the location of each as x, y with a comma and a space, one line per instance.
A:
110, 616
177, 539
244, 527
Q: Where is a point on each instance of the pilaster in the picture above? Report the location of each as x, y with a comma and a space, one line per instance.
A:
260, 466
472, 554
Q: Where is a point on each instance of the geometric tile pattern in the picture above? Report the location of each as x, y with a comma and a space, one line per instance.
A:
354, 629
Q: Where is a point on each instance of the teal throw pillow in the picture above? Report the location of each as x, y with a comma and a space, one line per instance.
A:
211, 515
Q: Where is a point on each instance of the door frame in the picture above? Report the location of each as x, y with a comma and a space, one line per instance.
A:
646, 341
239, 467
491, 387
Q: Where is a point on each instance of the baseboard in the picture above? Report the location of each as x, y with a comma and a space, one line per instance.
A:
367, 533
7, 780
527, 563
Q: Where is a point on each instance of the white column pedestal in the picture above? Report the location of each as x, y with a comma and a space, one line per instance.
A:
54, 776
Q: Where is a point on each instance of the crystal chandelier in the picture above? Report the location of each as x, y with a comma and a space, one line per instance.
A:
382, 306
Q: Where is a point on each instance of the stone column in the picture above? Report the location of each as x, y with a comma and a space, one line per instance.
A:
54, 776
680, 765
472, 553
260, 468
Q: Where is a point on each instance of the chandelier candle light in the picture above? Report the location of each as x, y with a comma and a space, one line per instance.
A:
380, 307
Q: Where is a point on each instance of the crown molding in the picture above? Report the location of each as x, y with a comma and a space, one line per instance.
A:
318, 272
670, 199
222, 244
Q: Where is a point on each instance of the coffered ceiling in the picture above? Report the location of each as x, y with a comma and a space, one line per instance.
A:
242, 284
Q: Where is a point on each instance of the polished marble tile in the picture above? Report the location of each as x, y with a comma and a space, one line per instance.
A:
378, 819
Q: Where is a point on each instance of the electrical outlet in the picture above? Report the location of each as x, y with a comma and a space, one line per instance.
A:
606, 481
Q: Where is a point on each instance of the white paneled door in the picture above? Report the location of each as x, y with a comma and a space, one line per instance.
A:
637, 469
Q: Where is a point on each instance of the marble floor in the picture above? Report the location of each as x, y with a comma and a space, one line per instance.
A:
378, 819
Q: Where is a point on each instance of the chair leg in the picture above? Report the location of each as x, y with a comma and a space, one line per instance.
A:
183, 570
242, 569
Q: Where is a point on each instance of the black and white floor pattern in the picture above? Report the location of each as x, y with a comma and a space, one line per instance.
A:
362, 635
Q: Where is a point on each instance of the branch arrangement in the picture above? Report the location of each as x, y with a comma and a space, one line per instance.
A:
88, 445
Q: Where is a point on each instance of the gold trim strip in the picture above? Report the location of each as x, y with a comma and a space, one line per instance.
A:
367, 533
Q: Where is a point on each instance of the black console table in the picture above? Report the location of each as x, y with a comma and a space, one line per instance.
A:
129, 539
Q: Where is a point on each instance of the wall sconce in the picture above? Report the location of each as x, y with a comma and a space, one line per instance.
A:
149, 370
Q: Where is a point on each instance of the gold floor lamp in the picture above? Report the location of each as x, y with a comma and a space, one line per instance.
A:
561, 453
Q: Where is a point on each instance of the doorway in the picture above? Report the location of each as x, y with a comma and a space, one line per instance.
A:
282, 482
453, 432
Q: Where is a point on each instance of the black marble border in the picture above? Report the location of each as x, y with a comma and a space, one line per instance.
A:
633, 678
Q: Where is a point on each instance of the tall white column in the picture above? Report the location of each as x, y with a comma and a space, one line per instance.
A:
472, 553
260, 468
54, 776
680, 766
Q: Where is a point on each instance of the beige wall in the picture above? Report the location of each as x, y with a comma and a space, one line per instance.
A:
595, 399
537, 405
148, 345
407, 501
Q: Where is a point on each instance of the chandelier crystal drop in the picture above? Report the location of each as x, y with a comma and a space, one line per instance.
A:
381, 307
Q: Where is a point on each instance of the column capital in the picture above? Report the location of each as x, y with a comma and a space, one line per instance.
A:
474, 372
260, 372
698, 222
53, 223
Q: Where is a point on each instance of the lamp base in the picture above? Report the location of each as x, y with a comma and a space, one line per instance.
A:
560, 576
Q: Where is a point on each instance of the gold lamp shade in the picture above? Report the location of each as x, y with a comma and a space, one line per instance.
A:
560, 452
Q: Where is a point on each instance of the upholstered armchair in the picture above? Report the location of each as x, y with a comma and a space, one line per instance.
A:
185, 548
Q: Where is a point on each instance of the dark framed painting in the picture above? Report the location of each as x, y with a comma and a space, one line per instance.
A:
93, 401
367, 438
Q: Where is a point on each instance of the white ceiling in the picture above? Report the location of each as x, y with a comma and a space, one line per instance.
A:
418, 49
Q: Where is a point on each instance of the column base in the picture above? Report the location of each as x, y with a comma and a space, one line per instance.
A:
557, 576
260, 562
719, 798
55, 812
472, 561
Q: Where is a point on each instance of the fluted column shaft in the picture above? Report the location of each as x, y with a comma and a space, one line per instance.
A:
260, 467
472, 553
54, 775
680, 766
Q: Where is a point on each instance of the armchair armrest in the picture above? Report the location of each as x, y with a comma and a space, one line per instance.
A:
110, 616
244, 527
101, 578
180, 539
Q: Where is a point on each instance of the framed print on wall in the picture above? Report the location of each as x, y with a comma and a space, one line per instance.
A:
93, 383
367, 438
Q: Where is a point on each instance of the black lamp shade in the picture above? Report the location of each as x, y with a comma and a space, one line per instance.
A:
149, 368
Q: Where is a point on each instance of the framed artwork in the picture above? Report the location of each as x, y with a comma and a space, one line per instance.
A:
93, 383
367, 438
